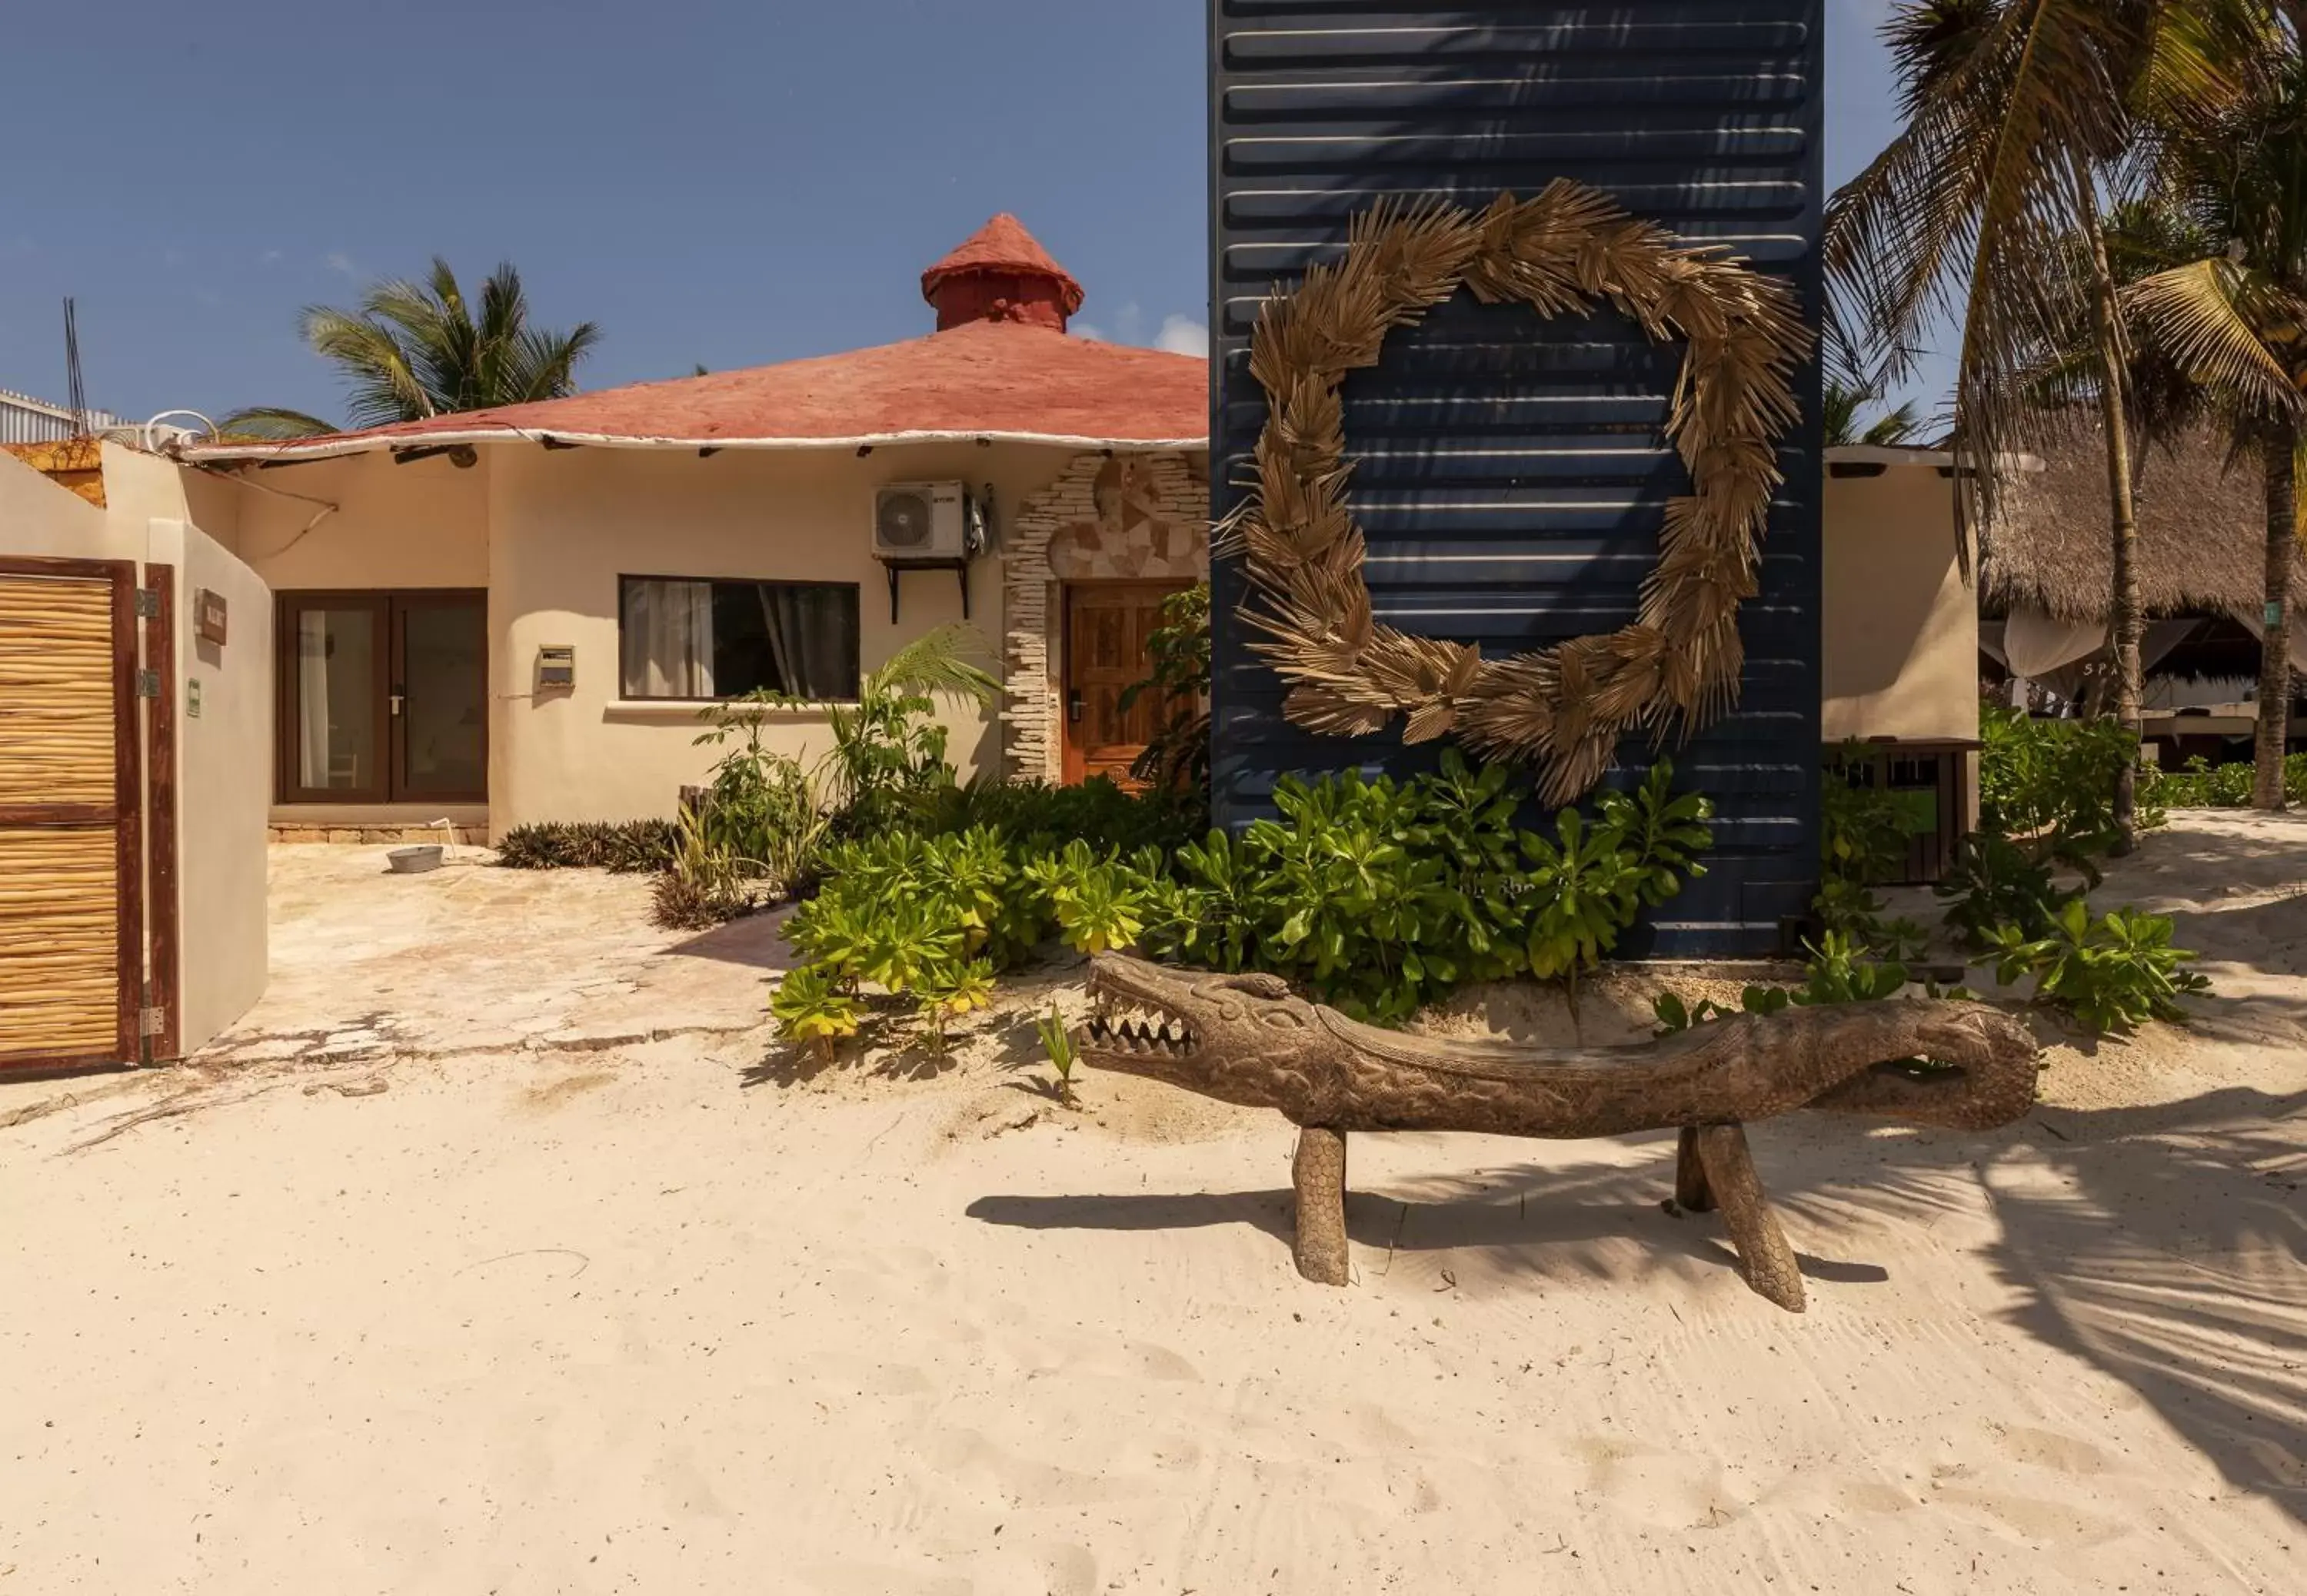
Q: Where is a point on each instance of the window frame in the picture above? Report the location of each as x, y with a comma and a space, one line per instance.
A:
856, 591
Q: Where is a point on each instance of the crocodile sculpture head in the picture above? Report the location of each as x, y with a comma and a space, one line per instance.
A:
1225, 1037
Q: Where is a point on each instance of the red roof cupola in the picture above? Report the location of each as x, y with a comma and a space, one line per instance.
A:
1001, 274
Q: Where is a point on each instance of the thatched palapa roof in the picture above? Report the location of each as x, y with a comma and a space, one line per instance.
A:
2202, 531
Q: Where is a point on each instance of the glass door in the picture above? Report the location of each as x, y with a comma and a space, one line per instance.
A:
439, 704
383, 697
335, 648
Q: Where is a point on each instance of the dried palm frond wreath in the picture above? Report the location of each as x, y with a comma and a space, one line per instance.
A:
1562, 708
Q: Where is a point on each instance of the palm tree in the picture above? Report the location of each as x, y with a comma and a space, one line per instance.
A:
1895, 426
414, 350
2024, 119
2235, 318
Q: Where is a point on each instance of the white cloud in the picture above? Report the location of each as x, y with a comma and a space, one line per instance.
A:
1182, 335
1083, 329
338, 260
269, 257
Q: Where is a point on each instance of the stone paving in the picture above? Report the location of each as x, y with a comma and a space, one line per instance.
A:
468, 958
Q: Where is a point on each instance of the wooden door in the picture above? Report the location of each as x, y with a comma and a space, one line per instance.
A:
71, 784
1107, 624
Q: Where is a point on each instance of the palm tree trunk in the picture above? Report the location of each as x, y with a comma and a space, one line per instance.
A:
2127, 623
2275, 639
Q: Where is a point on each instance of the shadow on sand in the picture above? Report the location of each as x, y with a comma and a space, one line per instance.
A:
2164, 1246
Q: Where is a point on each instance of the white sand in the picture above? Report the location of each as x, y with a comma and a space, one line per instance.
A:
565, 1309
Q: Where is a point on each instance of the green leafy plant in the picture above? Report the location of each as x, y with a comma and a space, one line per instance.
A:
1376, 896
1583, 890
948, 991
705, 884
1100, 903
2053, 779
888, 748
1177, 760
1840, 972
811, 1007
762, 806
1864, 829
1035, 817
1058, 1047
1663, 832
1379, 896
2201, 785
1996, 884
2112, 974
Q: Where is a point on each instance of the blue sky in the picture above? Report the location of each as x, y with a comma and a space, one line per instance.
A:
711, 181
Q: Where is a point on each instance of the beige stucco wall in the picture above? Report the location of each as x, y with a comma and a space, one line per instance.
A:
1899, 623
564, 524
224, 780
421, 525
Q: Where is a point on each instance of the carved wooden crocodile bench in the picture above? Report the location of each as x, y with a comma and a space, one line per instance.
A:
1246, 1039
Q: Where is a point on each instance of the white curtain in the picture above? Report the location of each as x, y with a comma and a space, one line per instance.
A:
814, 651
312, 699
668, 640
2035, 645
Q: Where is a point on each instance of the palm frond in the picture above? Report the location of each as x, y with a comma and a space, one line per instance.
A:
273, 422
412, 349
942, 663
2214, 316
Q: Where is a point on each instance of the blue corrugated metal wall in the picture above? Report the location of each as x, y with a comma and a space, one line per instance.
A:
1511, 471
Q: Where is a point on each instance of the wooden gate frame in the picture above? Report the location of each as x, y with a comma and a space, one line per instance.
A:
125, 813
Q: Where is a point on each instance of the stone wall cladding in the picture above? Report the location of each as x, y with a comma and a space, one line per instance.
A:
1106, 519
472, 836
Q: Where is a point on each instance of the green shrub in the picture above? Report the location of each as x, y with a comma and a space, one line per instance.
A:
1378, 897
2111, 975
1035, 817
704, 884
2201, 785
628, 847
1863, 828
1838, 972
1864, 832
1995, 883
763, 810
2052, 778
1381, 898
811, 1007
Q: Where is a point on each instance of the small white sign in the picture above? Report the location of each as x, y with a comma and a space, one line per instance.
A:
193, 697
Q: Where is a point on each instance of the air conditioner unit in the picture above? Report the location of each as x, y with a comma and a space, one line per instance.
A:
921, 521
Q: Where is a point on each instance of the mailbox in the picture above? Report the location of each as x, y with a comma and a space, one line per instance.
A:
556, 667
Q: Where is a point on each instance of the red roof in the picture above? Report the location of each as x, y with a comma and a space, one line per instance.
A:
1001, 380
1003, 245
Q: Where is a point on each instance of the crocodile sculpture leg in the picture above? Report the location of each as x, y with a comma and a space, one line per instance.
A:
1763, 1255
1690, 1192
1318, 1171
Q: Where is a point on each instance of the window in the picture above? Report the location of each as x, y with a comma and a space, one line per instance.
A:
697, 639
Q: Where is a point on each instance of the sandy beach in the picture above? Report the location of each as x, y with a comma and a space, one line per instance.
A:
503, 1250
